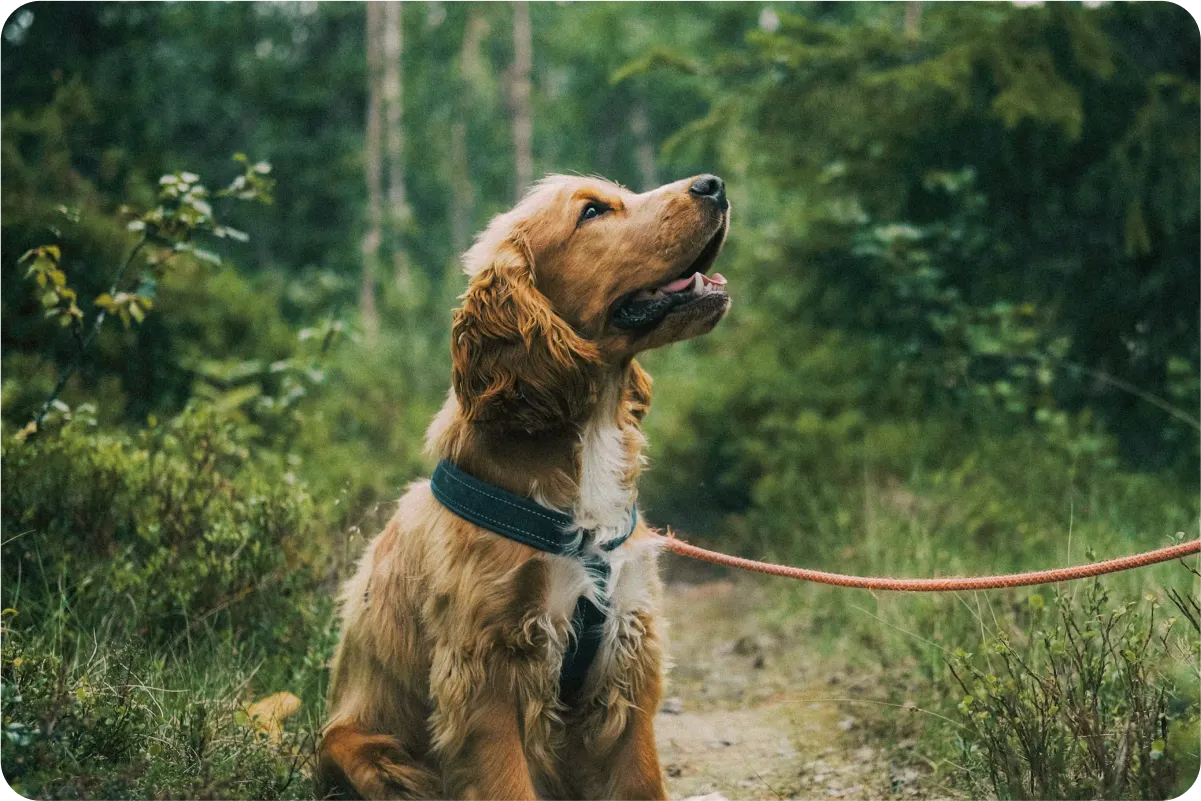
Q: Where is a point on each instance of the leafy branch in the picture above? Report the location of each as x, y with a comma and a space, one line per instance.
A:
167, 230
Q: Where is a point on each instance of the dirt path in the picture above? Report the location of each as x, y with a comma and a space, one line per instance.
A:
747, 714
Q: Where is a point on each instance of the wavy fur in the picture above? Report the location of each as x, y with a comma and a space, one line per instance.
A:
445, 680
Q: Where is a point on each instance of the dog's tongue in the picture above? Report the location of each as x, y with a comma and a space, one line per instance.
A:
696, 280
677, 285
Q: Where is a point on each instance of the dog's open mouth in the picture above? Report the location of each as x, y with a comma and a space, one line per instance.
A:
650, 305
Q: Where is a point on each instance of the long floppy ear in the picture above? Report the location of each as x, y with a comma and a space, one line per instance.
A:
516, 364
636, 391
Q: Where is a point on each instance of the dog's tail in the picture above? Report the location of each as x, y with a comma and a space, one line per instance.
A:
353, 764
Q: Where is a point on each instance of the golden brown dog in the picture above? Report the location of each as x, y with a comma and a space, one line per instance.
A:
445, 682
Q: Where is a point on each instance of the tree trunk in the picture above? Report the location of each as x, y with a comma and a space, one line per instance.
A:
372, 172
393, 91
462, 193
471, 69
913, 18
644, 150
519, 97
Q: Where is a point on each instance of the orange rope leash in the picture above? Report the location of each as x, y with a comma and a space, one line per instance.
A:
678, 546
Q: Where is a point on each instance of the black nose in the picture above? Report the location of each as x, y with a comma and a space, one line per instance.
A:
710, 186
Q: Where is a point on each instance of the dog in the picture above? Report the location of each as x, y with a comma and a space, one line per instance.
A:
464, 624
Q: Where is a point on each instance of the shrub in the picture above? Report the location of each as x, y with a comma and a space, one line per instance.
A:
1079, 704
165, 528
154, 583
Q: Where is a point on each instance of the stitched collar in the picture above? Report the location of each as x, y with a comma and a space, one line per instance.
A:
511, 515
522, 520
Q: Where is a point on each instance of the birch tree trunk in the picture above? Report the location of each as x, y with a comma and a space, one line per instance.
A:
643, 149
519, 97
393, 91
372, 172
913, 18
462, 193
471, 73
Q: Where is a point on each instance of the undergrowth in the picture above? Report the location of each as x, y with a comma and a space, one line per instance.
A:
154, 585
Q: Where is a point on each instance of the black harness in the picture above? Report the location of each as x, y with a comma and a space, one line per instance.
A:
523, 520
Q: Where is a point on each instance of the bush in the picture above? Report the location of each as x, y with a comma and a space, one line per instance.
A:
180, 517
1080, 702
154, 584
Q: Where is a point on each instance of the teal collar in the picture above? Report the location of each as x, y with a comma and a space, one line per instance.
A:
522, 520
513, 516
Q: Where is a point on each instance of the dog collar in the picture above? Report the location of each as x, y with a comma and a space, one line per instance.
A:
522, 520
513, 516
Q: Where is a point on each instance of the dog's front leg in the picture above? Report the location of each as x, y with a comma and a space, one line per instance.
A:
635, 762
491, 762
614, 744
477, 732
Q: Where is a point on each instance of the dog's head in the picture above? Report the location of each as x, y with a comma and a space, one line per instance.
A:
580, 275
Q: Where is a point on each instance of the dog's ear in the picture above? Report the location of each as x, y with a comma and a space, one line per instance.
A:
516, 364
636, 391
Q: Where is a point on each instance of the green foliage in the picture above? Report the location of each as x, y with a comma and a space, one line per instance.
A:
936, 182
1079, 702
154, 584
111, 724
180, 518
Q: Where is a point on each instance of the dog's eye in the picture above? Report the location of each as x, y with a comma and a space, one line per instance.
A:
592, 211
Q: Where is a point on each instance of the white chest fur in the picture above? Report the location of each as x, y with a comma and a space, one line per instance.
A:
603, 507
606, 490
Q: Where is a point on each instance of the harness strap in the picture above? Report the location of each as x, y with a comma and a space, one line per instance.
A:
523, 520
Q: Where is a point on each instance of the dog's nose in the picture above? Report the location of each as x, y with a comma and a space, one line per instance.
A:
710, 186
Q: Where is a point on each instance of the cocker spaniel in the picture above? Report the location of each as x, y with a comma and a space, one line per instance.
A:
500, 637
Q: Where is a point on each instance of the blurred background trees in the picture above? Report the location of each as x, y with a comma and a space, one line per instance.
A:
964, 261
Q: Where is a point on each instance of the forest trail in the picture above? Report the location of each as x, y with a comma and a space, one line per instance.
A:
750, 715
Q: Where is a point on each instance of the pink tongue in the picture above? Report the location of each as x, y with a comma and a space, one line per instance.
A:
677, 285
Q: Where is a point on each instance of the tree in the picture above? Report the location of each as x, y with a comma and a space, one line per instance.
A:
519, 97
471, 68
373, 166
393, 91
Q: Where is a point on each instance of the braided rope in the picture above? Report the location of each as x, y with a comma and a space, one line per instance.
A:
952, 584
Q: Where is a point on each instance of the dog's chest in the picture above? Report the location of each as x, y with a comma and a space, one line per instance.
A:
608, 457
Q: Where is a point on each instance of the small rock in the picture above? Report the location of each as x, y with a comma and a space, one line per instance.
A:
846, 724
746, 645
672, 706
674, 771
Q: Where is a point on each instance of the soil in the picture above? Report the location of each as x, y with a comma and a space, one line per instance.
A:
749, 715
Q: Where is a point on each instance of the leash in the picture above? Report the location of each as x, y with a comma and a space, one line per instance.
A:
952, 584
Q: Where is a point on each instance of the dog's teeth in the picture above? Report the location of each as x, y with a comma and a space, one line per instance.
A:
698, 283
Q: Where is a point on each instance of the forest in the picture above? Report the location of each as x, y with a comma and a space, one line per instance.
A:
964, 340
